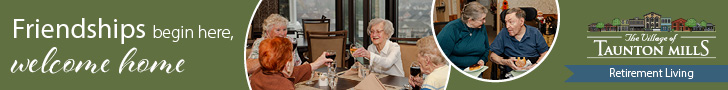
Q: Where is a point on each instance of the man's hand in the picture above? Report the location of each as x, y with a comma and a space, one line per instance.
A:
529, 67
511, 63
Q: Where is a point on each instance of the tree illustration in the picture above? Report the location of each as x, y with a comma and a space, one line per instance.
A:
600, 25
691, 23
616, 22
703, 23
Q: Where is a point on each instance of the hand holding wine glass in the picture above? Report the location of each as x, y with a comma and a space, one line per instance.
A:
361, 52
415, 78
330, 54
321, 60
414, 81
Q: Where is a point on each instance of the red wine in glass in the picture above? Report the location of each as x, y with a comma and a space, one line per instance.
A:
331, 56
294, 46
415, 71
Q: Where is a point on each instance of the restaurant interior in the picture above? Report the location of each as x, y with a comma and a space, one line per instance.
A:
321, 25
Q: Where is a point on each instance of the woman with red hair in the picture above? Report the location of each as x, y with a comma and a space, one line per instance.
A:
277, 71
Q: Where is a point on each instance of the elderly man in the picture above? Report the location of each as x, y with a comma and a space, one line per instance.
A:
384, 55
517, 40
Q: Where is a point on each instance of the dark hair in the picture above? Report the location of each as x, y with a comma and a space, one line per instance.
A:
519, 12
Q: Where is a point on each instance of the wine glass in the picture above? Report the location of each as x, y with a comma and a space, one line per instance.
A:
294, 42
332, 76
313, 76
352, 48
415, 70
333, 80
331, 54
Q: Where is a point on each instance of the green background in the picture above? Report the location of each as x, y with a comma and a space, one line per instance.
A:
218, 63
209, 63
572, 47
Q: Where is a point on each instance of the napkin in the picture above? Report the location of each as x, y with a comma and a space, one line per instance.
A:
370, 82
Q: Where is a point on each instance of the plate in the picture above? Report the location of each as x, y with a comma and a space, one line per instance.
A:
477, 71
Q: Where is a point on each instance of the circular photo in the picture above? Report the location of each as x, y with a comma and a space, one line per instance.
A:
496, 40
344, 44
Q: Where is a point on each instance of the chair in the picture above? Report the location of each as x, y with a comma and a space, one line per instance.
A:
530, 19
320, 41
320, 25
409, 53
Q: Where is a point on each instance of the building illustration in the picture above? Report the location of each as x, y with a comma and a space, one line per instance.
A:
636, 24
665, 24
624, 26
652, 22
679, 25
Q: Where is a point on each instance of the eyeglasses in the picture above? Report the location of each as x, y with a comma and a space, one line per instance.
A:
281, 29
375, 31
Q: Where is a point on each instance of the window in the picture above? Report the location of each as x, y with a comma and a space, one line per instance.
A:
314, 9
414, 18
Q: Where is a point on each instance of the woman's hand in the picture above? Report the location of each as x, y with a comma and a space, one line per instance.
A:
415, 80
361, 52
252, 65
321, 60
481, 62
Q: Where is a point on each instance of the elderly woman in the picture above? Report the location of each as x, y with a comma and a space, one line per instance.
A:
277, 71
273, 26
384, 55
465, 41
433, 65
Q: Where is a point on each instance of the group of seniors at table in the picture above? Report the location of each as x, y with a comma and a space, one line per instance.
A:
274, 65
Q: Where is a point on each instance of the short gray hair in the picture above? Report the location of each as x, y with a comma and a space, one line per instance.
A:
472, 10
428, 47
273, 19
519, 12
388, 28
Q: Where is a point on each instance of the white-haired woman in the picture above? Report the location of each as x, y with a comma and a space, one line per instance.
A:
465, 41
433, 65
274, 25
384, 55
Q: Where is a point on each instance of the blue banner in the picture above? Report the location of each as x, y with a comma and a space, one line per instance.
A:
648, 73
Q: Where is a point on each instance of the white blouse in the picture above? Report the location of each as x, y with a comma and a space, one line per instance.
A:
389, 61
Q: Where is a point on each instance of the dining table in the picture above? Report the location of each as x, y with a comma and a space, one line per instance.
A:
348, 82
